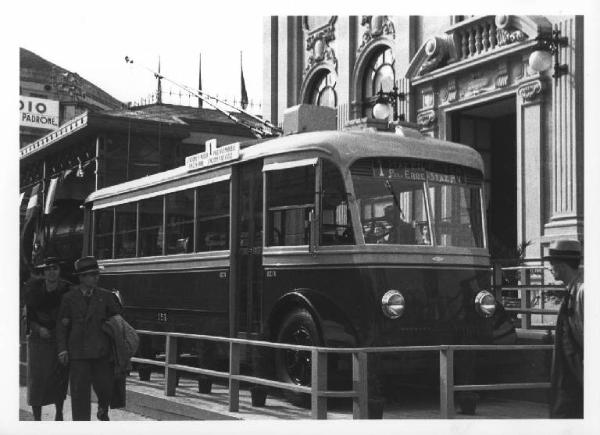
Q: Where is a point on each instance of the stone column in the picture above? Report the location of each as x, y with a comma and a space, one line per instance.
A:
529, 166
566, 142
345, 29
270, 64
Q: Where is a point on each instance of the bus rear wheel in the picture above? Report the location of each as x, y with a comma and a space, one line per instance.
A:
294, 366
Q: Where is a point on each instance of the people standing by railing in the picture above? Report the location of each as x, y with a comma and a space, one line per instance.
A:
83, 344
46, 377
567, 362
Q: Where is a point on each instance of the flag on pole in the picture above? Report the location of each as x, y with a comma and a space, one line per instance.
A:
33, 201
199, 78
50, 195
244, 99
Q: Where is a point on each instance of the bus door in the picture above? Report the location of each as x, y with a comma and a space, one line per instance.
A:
248, 264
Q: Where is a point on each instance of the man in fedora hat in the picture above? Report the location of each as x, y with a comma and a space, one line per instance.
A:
567, 359
46, 377
82, 343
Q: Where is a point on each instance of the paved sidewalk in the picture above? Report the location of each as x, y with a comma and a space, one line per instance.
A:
189, 403
25, 413
146, 402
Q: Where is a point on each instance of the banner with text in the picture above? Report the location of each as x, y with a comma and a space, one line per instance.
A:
38, 113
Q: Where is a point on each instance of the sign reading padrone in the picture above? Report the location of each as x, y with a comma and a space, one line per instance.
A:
213, 155
38, 113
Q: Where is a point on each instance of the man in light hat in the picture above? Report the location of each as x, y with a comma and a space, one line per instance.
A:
567, 359
83, 344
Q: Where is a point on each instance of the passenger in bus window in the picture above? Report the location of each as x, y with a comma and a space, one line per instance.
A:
401, 232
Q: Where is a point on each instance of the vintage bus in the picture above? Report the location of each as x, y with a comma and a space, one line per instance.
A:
336, 238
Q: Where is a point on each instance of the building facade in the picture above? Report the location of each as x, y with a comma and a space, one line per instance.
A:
42, 79
464, 79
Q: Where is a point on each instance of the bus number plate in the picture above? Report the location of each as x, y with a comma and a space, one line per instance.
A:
162, 317
271, 274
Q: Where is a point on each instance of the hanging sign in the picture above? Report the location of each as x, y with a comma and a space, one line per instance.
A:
213, 155
38, 113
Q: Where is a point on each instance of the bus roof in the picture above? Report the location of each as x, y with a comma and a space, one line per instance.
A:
344, 147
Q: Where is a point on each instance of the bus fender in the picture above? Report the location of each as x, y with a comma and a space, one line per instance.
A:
334, 327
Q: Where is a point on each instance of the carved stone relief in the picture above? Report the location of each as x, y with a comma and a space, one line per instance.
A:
436, 50
501, 78
376, 26
427, 98
504, 35
530, 91
319, 45
426, 119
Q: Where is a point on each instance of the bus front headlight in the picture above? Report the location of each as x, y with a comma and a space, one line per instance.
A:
393, 304
485, 303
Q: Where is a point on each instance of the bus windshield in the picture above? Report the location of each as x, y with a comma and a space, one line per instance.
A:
410, 202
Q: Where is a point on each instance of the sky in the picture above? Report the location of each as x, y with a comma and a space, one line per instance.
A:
93, 41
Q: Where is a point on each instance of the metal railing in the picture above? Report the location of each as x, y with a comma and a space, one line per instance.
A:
318, 389
526, 286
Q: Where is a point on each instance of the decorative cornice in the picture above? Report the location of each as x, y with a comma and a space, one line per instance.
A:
530, 91
376, 26
473, 41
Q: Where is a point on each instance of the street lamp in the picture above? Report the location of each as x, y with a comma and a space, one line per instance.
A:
541, 59
387, 104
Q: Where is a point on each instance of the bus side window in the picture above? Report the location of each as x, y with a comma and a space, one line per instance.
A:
180, 222
336, 225
290, 196
151, 231
103, 232
125, 232
213, 217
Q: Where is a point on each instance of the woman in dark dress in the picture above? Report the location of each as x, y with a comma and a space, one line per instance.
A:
46, 377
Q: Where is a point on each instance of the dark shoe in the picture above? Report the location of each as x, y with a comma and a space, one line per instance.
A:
102, 414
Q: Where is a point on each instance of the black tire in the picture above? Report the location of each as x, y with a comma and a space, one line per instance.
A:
298, 327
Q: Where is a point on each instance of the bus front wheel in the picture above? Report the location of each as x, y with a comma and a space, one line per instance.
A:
294, 366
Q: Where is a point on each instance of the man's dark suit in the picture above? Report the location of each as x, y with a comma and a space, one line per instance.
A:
79, 331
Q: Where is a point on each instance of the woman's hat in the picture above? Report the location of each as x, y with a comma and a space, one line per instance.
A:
86, 265
564, 250
49, 261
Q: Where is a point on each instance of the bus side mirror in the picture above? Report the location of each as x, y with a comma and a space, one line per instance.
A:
312, 247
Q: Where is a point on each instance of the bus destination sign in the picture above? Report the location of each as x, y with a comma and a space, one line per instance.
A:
421, 174
213, 155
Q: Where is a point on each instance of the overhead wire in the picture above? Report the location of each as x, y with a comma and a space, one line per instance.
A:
198, 93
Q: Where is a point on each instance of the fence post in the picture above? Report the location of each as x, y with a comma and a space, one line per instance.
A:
234, 384
318, 404
497, 281
447, 382
525, 299
170, 358
360, 386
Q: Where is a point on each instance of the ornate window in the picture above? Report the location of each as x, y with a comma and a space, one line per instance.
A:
379, 74
323, 90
